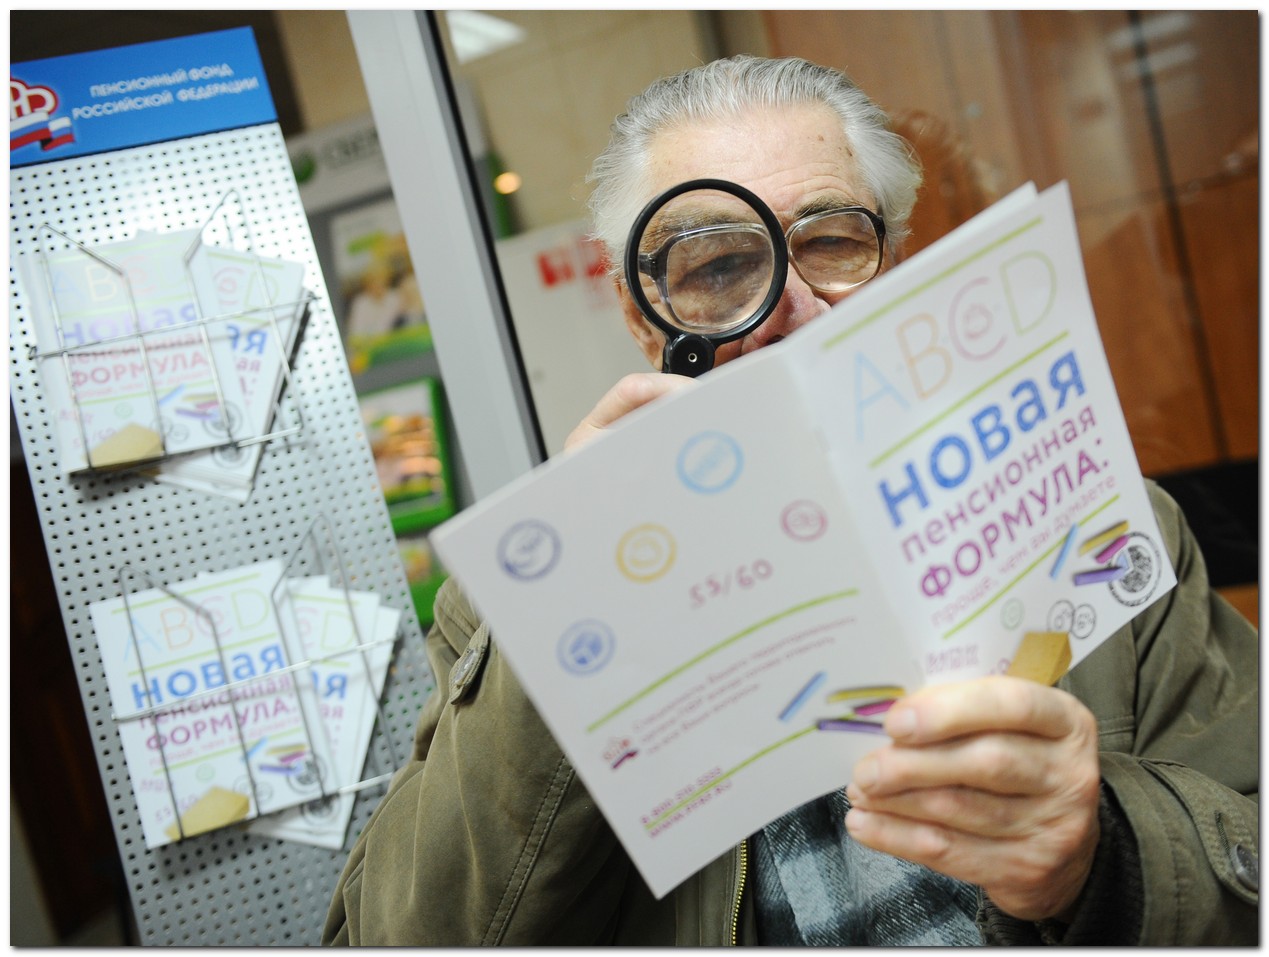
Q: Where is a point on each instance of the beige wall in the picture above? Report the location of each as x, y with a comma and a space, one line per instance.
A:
548, 101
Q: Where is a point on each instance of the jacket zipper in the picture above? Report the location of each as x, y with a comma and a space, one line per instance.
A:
740, 888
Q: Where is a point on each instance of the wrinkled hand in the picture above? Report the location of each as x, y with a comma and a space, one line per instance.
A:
630, 392
994, 782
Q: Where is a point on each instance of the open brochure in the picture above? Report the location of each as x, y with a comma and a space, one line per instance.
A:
713, 606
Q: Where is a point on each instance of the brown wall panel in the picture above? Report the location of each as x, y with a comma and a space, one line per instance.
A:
1205, 70
1148, 335
1221, 229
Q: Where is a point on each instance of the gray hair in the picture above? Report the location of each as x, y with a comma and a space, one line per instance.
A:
726, 88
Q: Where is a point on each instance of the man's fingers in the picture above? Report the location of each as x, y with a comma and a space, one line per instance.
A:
630, 392
998, 703
1006, 764
974, 811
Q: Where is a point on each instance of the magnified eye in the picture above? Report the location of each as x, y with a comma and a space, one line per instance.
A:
715, 277
703, 276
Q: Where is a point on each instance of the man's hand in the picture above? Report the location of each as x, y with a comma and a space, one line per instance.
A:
630, 392
994, 782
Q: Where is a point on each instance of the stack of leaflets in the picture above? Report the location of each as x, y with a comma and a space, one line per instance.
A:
331, 628
261, 304
158, 347
229, 703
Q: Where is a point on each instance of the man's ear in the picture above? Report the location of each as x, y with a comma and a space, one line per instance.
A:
646, 337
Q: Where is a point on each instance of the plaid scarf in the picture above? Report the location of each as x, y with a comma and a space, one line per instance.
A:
816, 886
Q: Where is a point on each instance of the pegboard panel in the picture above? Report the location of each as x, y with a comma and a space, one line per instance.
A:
226, 887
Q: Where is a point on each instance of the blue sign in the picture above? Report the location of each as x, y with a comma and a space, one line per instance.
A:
137, 95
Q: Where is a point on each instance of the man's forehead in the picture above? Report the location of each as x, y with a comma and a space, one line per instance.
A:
797, 160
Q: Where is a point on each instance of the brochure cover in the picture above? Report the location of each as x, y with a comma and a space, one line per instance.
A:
158, 346
713, 605
199, 757
130, 374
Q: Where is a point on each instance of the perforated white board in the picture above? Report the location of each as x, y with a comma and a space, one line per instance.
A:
225, 887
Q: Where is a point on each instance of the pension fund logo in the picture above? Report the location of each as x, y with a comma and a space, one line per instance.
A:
31, 118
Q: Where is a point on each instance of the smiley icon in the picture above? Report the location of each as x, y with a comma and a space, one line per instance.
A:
645, 553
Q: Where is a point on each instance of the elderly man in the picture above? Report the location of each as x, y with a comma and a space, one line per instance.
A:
1119, 807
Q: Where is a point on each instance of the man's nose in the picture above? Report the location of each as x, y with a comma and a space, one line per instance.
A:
798, 305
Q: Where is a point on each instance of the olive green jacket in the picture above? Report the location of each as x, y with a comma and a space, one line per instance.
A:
487, 836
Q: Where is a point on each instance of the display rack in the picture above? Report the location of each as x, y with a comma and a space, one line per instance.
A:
224, 887
319, 554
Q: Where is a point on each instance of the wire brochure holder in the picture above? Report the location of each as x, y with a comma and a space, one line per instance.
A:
259, 687
196, 359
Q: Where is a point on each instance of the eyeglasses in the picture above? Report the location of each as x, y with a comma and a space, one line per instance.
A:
714, 276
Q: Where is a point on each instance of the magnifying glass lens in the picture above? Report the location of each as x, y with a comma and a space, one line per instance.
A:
707, 262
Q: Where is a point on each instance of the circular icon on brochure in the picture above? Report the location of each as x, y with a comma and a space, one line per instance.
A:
586, 647
307, 774
645, 553
710, 462
319, 809
226, 423
1145, 570
1061, 616
263, 790
803, 521
528, 550
1011, 613
1084, 621
174, 431
228, 455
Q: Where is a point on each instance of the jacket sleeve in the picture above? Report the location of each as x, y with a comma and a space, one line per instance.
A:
1176, 696
486, 836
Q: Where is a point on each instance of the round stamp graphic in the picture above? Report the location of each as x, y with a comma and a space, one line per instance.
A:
307, 775
1011, 613
263, 790
710, 462
1145, 570
174, 431
586, 647
1083, 621
1061, 616
320, 810
226, 423
228, 455
528, 550
645, 553
803, 521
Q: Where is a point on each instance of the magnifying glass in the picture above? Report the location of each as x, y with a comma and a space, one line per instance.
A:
706, 263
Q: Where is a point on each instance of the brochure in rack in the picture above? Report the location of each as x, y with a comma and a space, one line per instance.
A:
201, 758
326, 626
302, 664
162, 348
713, 606
128, 374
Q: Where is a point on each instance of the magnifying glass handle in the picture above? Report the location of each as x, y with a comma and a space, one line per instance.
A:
688, 354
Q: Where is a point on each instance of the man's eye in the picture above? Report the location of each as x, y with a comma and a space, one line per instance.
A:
833, 248
716, 272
